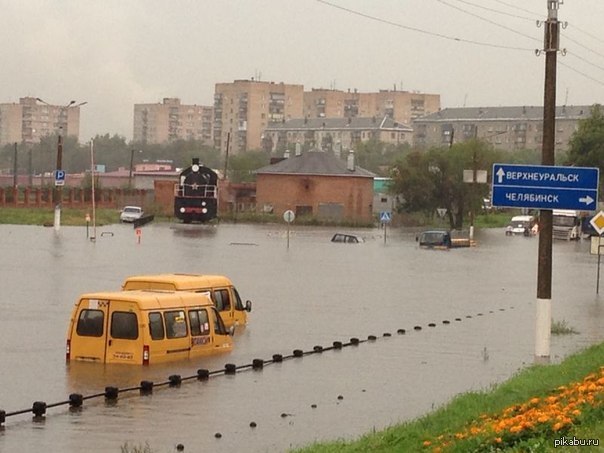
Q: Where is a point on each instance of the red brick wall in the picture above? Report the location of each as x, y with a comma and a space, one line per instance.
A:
285, 192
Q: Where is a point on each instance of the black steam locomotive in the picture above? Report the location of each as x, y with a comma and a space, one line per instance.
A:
196, 196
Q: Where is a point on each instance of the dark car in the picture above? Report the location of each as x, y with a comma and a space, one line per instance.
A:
435, 238
347, 238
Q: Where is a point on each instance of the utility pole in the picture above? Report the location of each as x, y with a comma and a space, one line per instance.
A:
58, 190
15, 175
544, 271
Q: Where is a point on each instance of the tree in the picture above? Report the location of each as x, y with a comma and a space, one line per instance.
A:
587, 143
434, 179
241, 167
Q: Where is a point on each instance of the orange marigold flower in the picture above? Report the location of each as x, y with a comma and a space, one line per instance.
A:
534, 400
497, 440
558, 426
427, 443
515, 429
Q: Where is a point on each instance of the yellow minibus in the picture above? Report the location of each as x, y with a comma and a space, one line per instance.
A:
221, 289
144, 327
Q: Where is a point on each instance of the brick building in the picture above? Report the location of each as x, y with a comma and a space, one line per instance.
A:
316, 184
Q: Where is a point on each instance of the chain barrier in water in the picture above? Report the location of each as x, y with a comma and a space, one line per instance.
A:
76, 400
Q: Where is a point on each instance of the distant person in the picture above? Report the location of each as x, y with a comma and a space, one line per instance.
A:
535, 229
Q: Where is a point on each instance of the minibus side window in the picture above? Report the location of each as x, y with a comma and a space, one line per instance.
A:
194, 322
219, 328
238, 302
176, 326
156, 326
223, 302
200, 325
124, 325
204, 322
90, 323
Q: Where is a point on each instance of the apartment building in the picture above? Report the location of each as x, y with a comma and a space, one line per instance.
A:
328, 134
32, 118
506, 128
244, 108
171, 120
401, 106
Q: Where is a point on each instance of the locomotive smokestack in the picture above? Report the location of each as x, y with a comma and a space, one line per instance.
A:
195, 161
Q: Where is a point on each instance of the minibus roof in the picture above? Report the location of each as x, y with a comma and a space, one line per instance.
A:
180, 282
153, 299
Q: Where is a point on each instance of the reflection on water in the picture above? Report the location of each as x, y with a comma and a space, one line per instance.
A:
314, 293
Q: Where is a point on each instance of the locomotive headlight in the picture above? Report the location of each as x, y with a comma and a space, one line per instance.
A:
203, 203
204, 210
195, 168
182, 210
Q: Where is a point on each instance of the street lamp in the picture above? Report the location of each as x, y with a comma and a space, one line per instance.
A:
131, 165
57, 194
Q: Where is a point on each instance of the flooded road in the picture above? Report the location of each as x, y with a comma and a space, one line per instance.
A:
480, 300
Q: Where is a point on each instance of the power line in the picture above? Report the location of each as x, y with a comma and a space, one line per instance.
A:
532, 19
588, 34
585, 60
581, 73
419, 30
516, 7
585, 47
487, 20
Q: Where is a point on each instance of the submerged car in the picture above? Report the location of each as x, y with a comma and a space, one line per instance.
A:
131, 213
520, 224
435, 239
347, 238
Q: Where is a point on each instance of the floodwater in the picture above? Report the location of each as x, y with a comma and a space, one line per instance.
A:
311, 294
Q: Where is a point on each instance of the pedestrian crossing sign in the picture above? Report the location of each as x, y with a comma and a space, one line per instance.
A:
385, 216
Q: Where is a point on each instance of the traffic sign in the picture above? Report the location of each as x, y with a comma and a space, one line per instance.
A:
289, 216
385, 216
545, 187
59, 177
597, 222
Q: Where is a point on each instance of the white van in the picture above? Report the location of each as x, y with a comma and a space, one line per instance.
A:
520, 224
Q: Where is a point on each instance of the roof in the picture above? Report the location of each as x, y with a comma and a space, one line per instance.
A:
155, 299
531, 113
314, 162
357, 123
177, 282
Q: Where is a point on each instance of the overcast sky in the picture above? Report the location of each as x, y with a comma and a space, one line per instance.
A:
115, 53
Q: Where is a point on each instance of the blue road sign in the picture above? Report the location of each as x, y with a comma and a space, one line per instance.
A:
545, 187
385, 216
59, 177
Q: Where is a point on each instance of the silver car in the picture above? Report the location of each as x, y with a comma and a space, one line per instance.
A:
131, 213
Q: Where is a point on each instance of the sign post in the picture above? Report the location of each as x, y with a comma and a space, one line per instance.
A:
289, 217
597, 222
545, 187
385, 218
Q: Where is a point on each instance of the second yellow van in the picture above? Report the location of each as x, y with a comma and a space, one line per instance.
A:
144, 327
221, 289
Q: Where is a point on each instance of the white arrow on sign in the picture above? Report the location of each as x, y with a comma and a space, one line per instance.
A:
500, 175
587, 200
